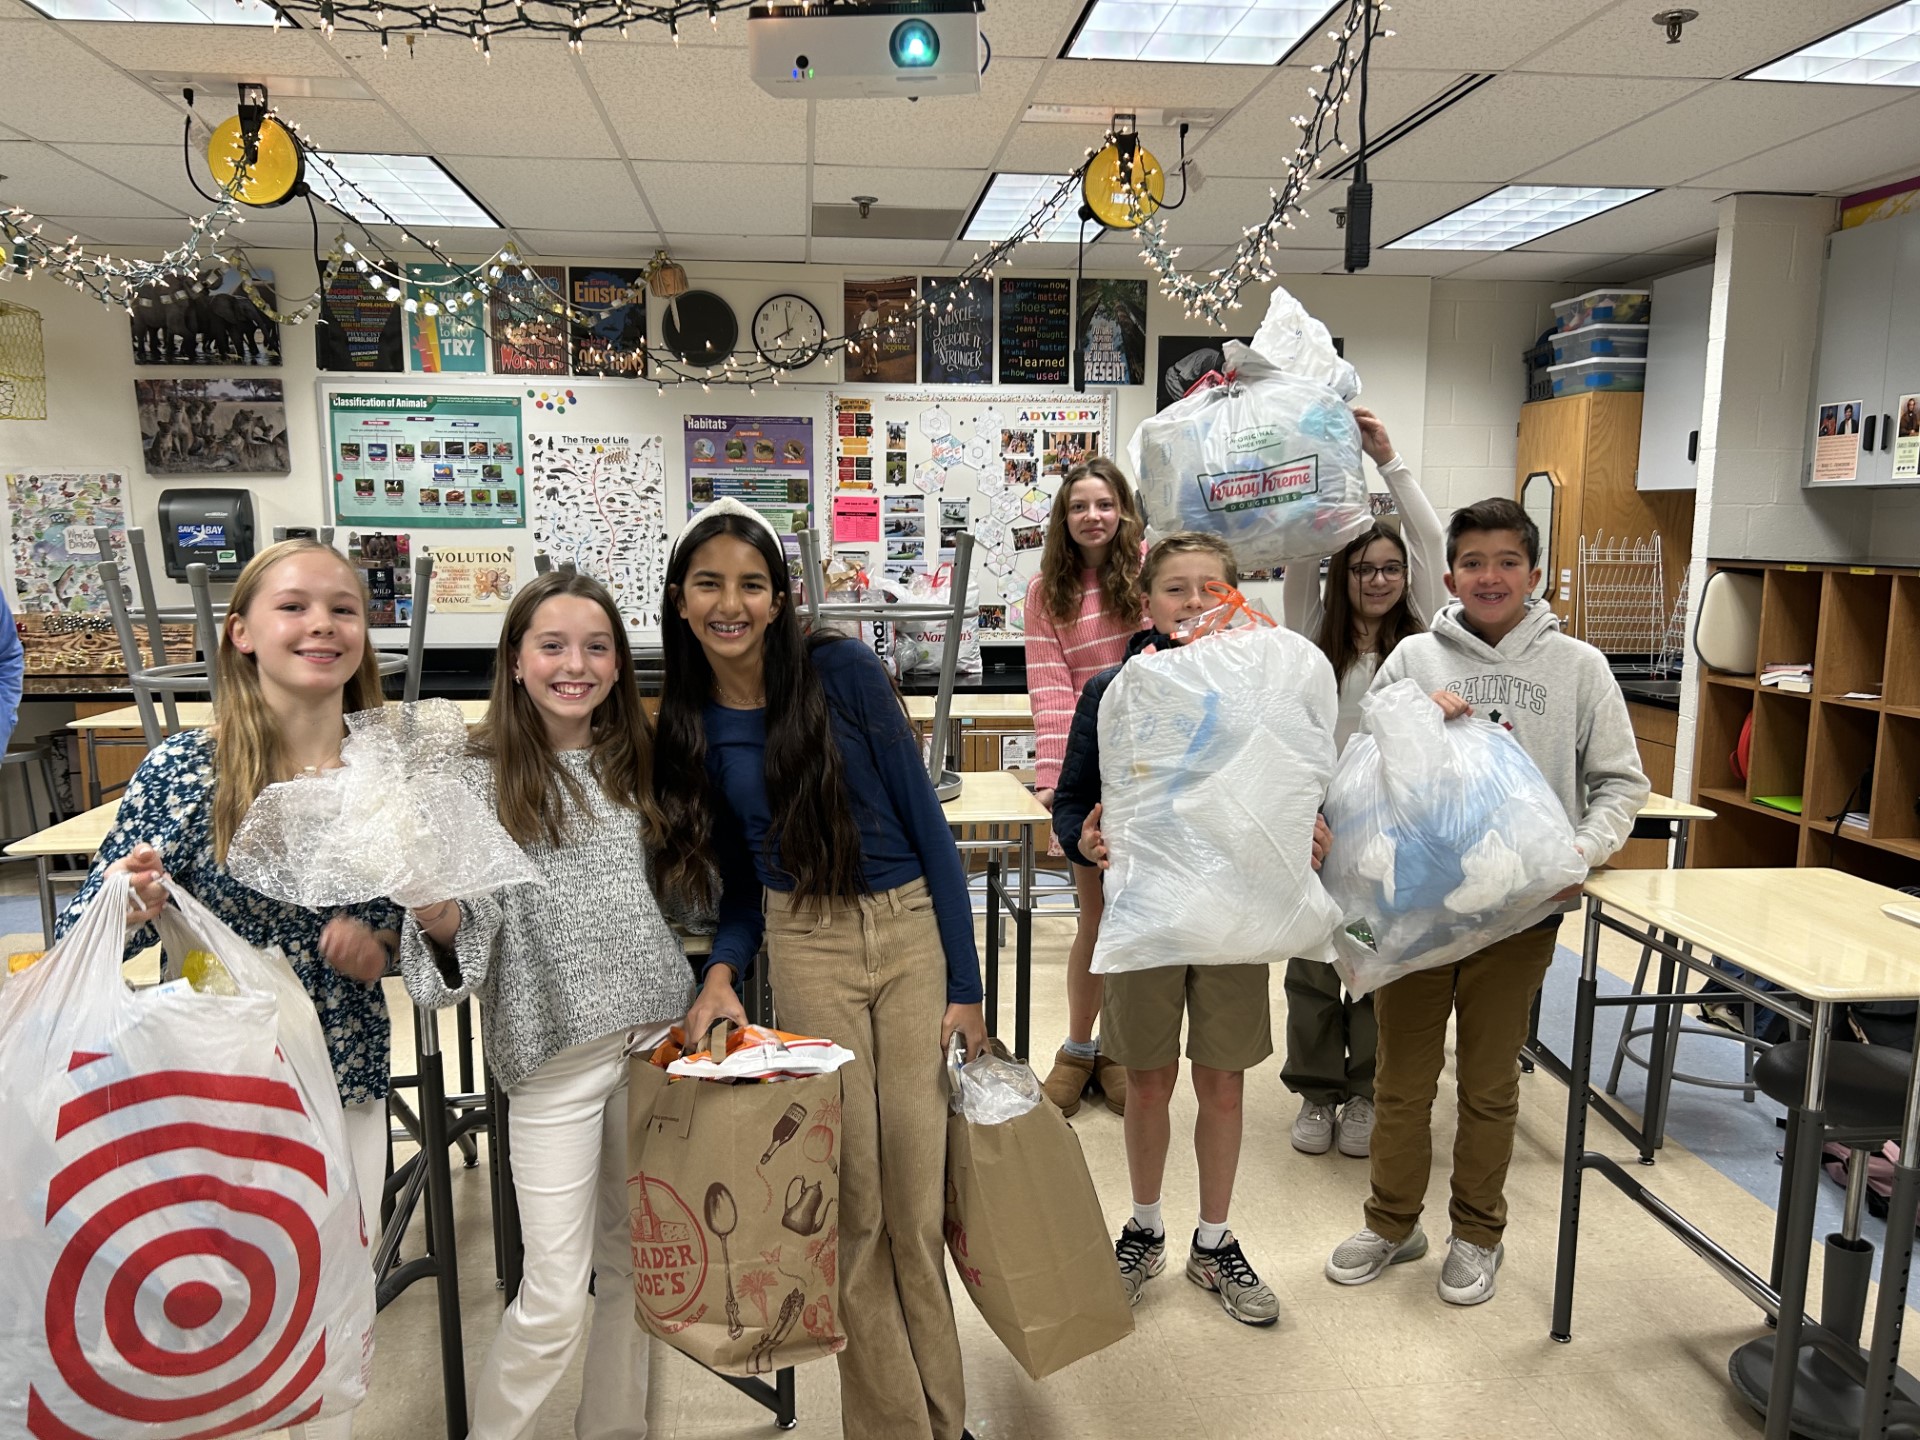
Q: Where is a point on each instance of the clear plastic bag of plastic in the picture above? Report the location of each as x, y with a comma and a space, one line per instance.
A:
1214, 757
992, 1089
1295, 342
394, 821
1446, 838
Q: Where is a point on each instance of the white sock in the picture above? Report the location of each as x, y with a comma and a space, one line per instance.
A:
1147, 1217
1210, 1236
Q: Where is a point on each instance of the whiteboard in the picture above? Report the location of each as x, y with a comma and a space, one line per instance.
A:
557, 408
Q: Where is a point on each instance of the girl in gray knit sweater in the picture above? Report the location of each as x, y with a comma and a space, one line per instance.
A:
569, 976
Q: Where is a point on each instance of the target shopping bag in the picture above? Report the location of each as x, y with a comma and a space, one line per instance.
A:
185, 1251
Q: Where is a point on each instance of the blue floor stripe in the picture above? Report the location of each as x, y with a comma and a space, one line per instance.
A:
1737, 1139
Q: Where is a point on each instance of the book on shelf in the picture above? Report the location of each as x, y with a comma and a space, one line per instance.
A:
1793, 684
1789, 803
1793, 676
1857, 819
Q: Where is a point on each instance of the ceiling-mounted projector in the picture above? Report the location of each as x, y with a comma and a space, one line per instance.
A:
826, 51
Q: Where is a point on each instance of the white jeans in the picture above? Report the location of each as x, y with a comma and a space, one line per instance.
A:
569, 1128
367, 1126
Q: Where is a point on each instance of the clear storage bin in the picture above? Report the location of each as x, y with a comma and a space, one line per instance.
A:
1605, 373
1604, 307
1626, 342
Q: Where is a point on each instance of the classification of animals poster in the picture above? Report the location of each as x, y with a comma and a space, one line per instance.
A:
56, 556
453, 462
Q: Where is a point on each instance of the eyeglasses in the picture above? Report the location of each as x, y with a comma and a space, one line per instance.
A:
1392, 570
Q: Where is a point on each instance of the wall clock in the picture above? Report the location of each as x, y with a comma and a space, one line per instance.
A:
788, 331
704, 330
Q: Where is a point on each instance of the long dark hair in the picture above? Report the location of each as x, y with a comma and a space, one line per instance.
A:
527, 779
1336, 626
813, 838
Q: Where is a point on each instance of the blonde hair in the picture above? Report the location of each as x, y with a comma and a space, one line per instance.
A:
1061, 561
246, 750
1189, 542
527, 779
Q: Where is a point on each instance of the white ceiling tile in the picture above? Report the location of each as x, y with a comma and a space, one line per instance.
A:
1134, 84
156, 234
957, 132
1477, 139
1662, 218
554, 194
1260, 137
213, 50
721, 199
1694, 245
1838, 160
1725, 40
1533, 265
366, 126
44, 179
1398, 262
293, 232
52, 89
1112, 253
1708, 130
1032, 28
898, 187
530, 101
15, 10
586, 246
775, 248
694, 104
156, 170
892, 257
1483, 35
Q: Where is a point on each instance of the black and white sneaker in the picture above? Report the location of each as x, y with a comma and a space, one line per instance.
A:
1225, 1271
1142, 1255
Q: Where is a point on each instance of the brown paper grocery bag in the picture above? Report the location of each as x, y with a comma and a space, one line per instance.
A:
734, 1191
1025, 1231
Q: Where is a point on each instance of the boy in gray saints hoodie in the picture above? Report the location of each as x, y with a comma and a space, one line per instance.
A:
1492, 654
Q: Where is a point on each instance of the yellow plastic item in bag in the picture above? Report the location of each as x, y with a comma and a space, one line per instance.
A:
21, 960
202, 970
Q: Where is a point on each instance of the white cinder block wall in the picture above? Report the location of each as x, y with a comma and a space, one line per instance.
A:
1477, 332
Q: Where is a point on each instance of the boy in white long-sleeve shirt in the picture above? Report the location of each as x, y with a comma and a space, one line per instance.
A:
1495, 655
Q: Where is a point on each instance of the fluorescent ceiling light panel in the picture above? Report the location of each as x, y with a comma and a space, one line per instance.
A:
1514, 216
1194, 32
159, 12
1011, 200
1882, 49
413, 189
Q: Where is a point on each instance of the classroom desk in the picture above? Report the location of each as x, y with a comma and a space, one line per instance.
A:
82, 835
1000, 711
1647, 1131
1820, 934
194, 715
997, 799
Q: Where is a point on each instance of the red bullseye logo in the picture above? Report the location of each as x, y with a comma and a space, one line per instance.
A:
182, 1304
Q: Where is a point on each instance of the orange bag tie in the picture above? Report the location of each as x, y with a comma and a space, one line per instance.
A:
1232, 606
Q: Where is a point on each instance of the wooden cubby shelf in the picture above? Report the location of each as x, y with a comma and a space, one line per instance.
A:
1859, 627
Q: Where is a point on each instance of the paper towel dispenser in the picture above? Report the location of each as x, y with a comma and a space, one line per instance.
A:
207, 527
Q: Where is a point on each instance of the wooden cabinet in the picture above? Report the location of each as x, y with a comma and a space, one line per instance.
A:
1869, 353
1676, 381
1589, 444
1654, 729
1853, 744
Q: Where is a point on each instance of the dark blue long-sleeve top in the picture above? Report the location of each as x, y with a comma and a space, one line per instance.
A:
903, 832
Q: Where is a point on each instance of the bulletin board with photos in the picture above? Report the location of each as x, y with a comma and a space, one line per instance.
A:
938, 462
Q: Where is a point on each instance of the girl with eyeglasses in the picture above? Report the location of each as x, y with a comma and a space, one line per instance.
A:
1380, 589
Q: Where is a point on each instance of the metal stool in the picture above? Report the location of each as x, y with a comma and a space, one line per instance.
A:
1865, 1102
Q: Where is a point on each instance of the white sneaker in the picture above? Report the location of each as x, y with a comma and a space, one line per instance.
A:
1313, 1129
1467, 1277
1356, 1127
1362, 1257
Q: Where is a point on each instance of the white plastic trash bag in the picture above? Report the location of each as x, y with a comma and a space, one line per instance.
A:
1269, 461
185, 1250
395, 820
1446, 838
922, 645
1213, 760
1293, 341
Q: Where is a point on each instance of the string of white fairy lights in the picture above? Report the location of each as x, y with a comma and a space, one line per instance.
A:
1211, 298
508, 280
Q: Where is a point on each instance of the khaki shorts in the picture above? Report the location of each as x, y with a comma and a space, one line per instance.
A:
1229, 1024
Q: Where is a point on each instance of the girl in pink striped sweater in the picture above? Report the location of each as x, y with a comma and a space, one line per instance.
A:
1082, 608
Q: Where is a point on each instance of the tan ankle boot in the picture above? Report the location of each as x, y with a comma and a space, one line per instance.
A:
1112, 1080
1068, 1082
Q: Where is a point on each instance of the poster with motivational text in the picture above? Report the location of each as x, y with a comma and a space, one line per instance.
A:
763, 461
438, 461
610, 331
1036, 331
441, 339
359, 328
1110, 347
956, 332
885, 337
527, 323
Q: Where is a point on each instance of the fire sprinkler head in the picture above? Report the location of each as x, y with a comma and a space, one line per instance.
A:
866, 204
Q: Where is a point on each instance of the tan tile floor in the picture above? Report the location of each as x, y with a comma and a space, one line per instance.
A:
1653, 1326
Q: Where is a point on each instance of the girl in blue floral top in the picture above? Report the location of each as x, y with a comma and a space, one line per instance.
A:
293, 662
